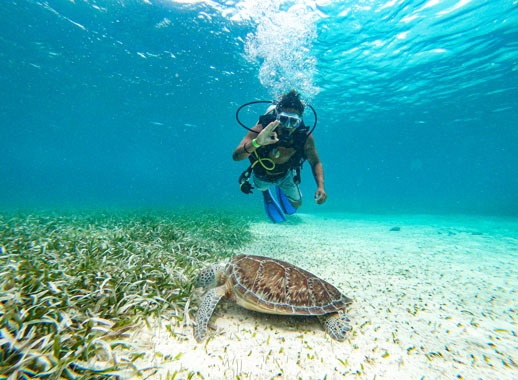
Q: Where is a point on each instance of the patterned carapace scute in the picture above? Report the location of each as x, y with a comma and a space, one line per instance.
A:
280, 287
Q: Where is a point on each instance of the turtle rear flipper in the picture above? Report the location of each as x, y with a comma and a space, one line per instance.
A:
208, 304
336, 325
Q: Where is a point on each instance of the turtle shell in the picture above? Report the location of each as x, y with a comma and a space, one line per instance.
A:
277, 287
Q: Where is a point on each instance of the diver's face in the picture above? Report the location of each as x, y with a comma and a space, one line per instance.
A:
287, 118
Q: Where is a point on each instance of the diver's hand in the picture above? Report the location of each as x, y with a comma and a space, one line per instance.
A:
320, 196
268, 135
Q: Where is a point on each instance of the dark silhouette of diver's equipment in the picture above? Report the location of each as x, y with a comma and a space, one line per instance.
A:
244, 181
244, 178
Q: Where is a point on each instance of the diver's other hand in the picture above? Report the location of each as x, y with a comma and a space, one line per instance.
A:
320, 196
268, 135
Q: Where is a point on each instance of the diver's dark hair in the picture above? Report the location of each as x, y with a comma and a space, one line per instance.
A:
291, 100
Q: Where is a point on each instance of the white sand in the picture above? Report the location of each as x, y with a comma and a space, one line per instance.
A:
435, 300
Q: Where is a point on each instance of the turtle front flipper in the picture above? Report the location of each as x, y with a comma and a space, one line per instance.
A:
336, 325
208, 304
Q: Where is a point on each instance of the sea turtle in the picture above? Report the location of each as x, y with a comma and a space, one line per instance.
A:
275, 287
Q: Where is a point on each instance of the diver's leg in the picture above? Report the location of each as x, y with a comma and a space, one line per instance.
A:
261, 185
291, 189
272, 209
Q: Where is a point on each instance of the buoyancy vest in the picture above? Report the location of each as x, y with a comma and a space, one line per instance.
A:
297, 140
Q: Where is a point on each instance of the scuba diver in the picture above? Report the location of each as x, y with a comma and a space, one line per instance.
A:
277, 146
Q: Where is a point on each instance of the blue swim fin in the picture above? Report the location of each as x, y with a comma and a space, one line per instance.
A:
285, 204
272, 209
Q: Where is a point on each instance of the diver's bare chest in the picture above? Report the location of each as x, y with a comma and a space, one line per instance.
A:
280, 154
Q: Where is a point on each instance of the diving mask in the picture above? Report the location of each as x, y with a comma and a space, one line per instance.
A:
289, 120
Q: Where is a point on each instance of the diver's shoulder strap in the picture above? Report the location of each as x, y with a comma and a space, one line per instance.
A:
300, 138
268, 117
271, 108
264, 120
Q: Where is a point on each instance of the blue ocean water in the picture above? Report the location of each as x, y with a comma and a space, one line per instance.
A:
132, 103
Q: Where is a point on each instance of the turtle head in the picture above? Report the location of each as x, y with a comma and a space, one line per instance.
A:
209, 277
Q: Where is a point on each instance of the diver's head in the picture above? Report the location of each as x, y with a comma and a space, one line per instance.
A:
291, 100
289, 110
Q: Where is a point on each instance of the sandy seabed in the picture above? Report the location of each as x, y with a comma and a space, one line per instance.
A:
437, 299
